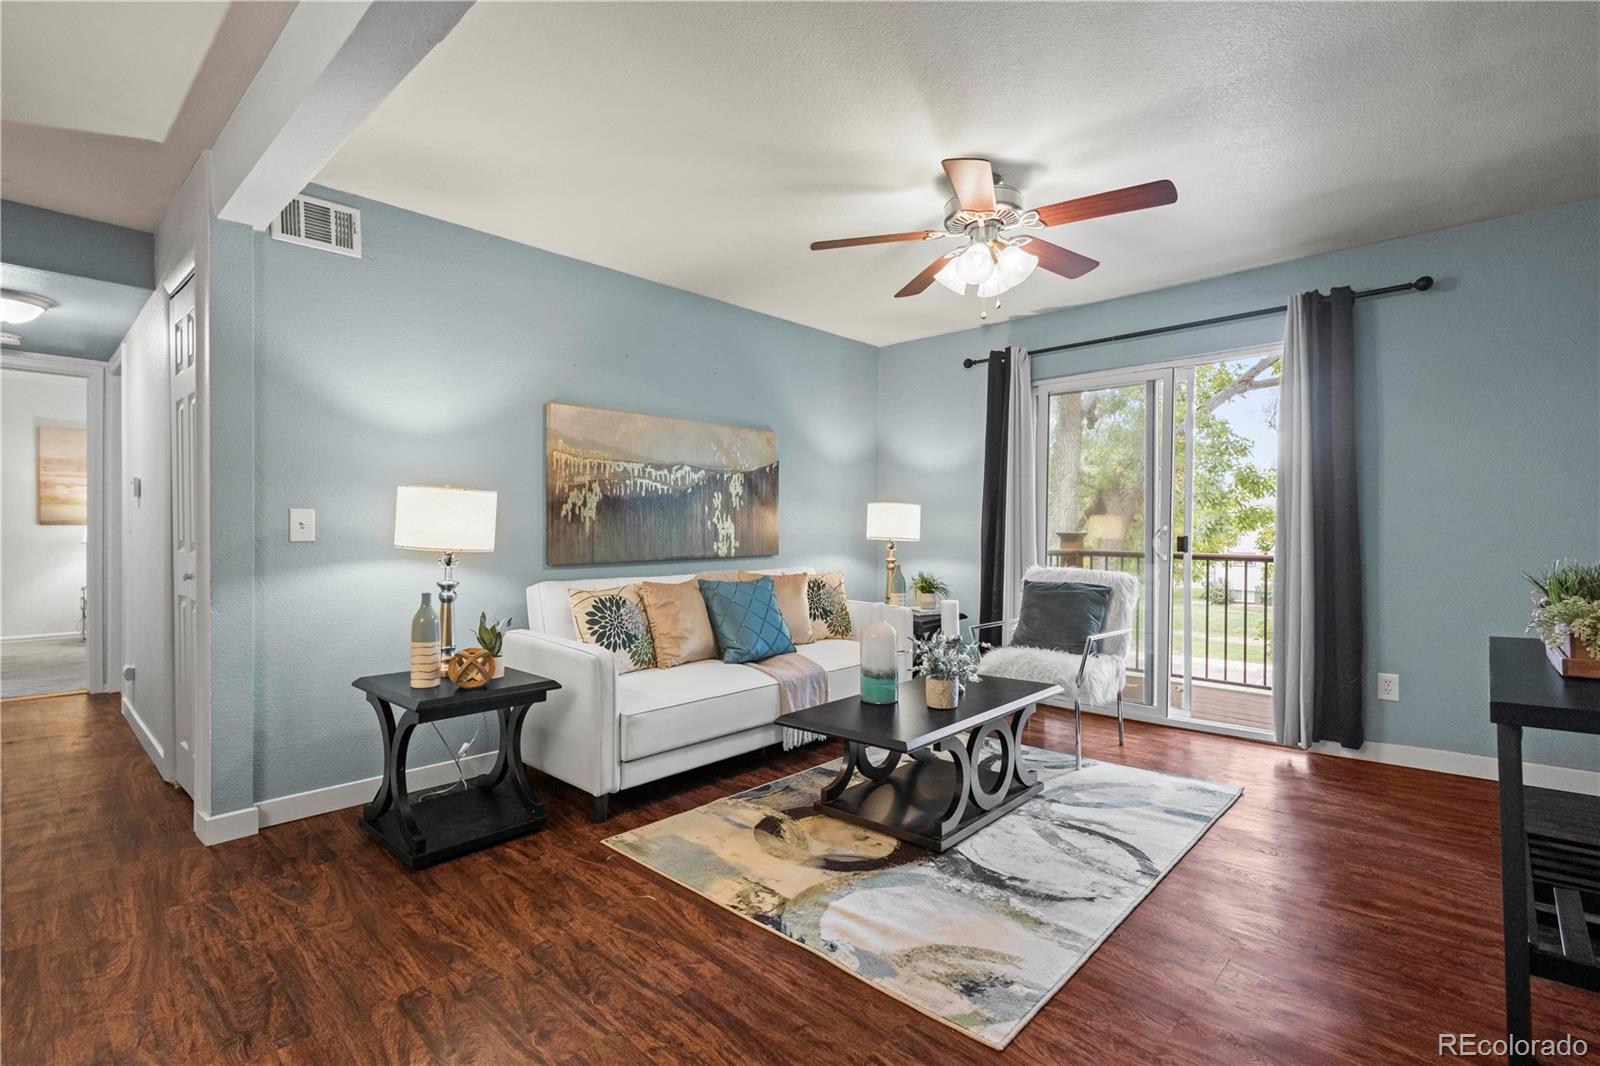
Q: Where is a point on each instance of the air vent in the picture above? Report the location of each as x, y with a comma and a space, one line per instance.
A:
319, 224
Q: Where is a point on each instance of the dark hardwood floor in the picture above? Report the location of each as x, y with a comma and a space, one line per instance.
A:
1341, 912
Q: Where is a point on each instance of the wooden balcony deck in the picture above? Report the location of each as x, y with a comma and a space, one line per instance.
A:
1231, 705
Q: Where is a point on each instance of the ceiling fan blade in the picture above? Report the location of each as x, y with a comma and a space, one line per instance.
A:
882, 238
924, 279
973, 182
1133, 198
1059, 260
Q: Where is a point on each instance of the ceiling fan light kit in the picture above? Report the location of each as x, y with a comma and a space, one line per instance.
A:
999, 252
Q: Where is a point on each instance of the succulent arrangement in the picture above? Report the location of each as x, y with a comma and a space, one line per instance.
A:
946, 658
491, 635
1567, 604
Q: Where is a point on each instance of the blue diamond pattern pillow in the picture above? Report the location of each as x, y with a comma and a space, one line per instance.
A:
746, 620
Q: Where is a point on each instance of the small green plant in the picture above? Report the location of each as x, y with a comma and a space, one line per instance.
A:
491, 635
1567, 604
925, 584
946, 658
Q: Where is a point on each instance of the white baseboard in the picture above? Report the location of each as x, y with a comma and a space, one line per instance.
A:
355, 793
33, 637
147, 739
221, 828
1540, 775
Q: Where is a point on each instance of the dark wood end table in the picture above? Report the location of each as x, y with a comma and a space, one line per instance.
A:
1549, 841
950, 786
423, 829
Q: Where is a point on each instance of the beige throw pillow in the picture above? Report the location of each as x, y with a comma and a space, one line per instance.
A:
679, 625
791, 593
615, 619
828, 606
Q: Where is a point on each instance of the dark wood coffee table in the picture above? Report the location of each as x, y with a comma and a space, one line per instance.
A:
950, 786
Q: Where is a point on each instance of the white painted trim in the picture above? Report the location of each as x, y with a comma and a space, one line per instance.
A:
1486, 767
220, 828
1093, 378
356, 793
30, 638
147, 739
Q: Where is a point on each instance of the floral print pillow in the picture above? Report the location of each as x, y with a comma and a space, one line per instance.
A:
615, 620
829, 606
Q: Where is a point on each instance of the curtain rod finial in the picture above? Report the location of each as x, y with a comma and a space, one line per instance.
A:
1424, 283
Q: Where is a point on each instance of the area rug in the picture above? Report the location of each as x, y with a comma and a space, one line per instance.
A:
979, 937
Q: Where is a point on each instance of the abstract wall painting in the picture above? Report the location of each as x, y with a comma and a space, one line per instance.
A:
622, 487
62, 473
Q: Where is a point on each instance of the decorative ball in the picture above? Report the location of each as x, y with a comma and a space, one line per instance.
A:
470, 667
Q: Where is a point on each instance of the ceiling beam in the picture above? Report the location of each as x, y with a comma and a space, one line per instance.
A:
331, 66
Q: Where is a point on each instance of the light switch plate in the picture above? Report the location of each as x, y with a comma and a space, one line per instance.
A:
302, 523
1388, 686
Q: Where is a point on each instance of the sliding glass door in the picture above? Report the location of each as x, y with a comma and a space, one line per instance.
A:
1169, 473
1104, 452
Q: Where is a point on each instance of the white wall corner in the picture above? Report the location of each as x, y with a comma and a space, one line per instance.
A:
215, 829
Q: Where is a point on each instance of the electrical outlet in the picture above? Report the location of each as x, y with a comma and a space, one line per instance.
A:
302, 523
1389, 687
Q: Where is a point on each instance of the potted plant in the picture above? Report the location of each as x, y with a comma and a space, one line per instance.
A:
949, 666
1566, 616
929, 589
491, 637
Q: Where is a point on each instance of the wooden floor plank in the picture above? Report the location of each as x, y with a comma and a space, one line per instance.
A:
1341, 912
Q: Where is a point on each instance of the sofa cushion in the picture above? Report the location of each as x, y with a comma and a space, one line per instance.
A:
679, 625
746, 620
665, 709
828, 606
791, 592
614, 618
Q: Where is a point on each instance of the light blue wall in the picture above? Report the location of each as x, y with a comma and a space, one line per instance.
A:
429, 360
1479, 418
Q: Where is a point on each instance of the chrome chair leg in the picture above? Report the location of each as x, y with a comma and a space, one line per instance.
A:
1077, 734
1119, 719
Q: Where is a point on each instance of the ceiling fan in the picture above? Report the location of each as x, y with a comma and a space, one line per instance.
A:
999, 252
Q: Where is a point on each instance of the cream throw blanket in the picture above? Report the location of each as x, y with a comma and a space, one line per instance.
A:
802, 683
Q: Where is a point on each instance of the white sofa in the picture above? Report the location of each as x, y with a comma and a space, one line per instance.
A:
602, 732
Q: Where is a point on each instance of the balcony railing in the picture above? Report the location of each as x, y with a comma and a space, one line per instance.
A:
1231, 609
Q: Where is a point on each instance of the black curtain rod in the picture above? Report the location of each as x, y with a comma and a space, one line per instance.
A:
1422, 284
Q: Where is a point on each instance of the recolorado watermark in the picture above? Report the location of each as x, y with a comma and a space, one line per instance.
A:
1471, 1045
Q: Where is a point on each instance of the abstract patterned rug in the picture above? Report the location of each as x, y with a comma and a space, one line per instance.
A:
979, 937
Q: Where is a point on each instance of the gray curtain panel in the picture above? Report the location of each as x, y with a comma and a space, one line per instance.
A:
1317, 604
1021, 534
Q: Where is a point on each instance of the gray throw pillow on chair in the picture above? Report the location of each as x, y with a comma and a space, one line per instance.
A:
1060, 615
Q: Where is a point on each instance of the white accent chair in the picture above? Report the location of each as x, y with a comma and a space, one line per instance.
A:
1099, 674
604, 732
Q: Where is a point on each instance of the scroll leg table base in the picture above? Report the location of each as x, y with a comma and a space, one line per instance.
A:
425, 828
935, 802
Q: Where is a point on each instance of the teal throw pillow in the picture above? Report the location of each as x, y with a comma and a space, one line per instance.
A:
746, 620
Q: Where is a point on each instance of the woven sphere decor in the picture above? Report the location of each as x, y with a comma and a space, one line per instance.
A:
471, 667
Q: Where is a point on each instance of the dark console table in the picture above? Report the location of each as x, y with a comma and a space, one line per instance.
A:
424, 828
1549, 840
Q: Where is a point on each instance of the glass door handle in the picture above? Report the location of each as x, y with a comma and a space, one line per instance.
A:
1161, 535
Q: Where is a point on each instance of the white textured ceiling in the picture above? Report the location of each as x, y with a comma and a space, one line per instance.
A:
107, 105
705, 145
115, 68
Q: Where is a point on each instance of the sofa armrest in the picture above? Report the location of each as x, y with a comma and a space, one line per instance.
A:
574, 734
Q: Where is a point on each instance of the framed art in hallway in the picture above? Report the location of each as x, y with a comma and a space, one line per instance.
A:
62, 464
623, 487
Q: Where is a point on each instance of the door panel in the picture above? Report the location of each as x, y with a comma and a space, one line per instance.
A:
181, 319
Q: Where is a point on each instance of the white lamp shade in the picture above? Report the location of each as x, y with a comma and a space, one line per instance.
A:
439, 519
894, 521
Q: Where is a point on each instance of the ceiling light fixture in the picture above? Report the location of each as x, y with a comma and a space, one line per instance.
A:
19, 307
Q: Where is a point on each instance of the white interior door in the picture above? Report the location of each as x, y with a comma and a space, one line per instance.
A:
181, 333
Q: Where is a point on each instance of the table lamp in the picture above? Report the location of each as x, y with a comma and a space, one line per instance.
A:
448, 522
892, 522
